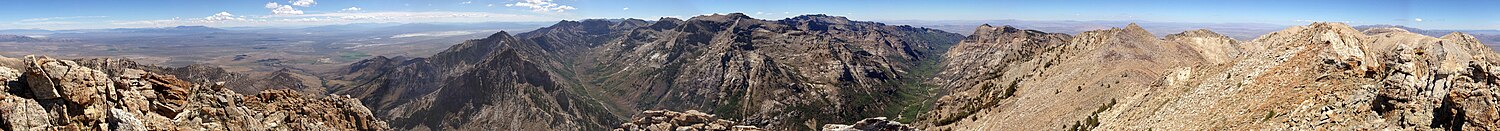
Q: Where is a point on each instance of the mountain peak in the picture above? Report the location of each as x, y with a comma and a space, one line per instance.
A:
1134, 28
824, 17
668, 19
1332, 26
1382, 30
498, 35
1134, 31
721, 17
1196, 33
1460, 36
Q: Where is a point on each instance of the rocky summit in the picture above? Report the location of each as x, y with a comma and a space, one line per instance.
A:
42, 93
732, 72
1322, 76
691, 120
822, 72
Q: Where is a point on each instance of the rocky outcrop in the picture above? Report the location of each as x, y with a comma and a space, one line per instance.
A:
1323, 76
1000, 69
482, 84
871, 124
790, 74
692, 120
53, 94
238, 82
774, 74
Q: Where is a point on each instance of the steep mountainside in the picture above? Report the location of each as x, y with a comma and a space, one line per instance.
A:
791, 74
496, 83
1092, 68
52, 94
1319, 76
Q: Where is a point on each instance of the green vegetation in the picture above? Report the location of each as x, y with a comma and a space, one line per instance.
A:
1093, 119
916, 96
1269, 115
1011, 90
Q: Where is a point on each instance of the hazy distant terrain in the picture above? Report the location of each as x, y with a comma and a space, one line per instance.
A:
1238, 31
251, 50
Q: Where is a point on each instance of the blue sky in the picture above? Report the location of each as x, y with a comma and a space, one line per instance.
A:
86, 14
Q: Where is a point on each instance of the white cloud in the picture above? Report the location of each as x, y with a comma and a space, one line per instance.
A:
1417, 19
466, 2
626, 8
489, 5
222, 16
303, 3
351, 9
285, 10
272, 5
280, 9
542, 6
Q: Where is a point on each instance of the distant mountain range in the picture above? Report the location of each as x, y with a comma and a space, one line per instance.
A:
21, 38
1488, 37
1239, 31
806, 72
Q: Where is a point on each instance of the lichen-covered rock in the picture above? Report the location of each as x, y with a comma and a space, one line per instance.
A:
23, 114
8, 78
871, 124
1323, 76
691, 120
65, 95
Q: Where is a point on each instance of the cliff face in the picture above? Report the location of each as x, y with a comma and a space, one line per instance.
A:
1319, 76
1011, 68
52, 94
788, 74
495, 83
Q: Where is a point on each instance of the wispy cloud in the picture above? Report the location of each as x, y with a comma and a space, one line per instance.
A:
223, 16
60, 18
226, 19
351, 9
303, 3
542, 6
279, 9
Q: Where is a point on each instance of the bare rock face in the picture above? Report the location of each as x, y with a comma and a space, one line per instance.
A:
1323, 76
692, 120
55, 94
1026, 74
789, 74
871, 124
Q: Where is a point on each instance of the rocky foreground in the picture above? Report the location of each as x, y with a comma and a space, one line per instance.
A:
1323, 76
693, 120
807, 72
42, 93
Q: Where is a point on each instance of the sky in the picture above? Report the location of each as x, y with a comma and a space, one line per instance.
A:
98, 14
